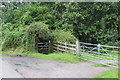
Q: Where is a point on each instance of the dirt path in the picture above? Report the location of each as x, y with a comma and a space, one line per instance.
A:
39, 68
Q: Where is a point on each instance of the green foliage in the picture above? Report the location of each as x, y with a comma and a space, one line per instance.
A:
11, 37
26, 18
90, 22
40, 29
24, 36
63, 36
37, 31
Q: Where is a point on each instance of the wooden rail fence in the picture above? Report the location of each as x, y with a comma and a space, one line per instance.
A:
82, 47
64, 47
43, 47
102, 54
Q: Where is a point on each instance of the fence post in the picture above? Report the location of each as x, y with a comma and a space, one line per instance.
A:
98, 48
57, 48
77, 47
65, 47
49, 46
83, 48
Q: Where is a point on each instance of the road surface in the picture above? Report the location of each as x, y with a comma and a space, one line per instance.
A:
26, 67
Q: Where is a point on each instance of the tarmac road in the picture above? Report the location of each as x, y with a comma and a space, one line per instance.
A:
26, 67
8, 71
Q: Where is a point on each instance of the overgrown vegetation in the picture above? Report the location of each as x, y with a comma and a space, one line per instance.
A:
63, 36
23, 36
27, 36
23, 23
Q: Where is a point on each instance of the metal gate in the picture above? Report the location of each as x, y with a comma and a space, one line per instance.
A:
101, 54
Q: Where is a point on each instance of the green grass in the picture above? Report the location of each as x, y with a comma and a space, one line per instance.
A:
103, 65
100, 65
109, 74
61, 57
2, 55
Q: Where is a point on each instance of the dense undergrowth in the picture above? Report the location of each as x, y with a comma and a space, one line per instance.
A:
28, 36
23, 23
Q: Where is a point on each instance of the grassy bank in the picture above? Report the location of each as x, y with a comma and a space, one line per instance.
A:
61, 57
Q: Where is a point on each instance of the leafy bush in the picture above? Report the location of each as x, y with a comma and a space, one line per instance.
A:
27, 36
11, 36
24, 36
37, 31
63, 36
26, 18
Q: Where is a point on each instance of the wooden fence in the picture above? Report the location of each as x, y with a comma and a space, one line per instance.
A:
43, 47
82, 47
102, 54
64, 47
76, 48
67, 47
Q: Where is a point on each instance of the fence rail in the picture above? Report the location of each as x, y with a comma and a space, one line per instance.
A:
85, 46
67, 44
43, 47
90, 52
100, 45
65, 47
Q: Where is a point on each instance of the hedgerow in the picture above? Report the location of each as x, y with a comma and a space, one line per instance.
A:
24, 36
63, 36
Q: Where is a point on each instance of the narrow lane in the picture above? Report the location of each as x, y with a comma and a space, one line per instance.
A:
8, 71
26, 67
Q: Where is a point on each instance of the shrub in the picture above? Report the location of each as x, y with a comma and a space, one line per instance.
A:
26, 18
37, 31
11, 37
63, 36
24, 36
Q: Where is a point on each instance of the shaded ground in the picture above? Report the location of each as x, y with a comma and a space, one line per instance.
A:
27, 67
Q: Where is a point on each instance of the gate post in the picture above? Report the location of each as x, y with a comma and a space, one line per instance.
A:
77, 47
65, 47
98, 48
49, 46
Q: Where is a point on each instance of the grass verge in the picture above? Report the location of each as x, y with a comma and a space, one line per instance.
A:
61, 57
100, 65
105, 65
2, 55
109, 74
